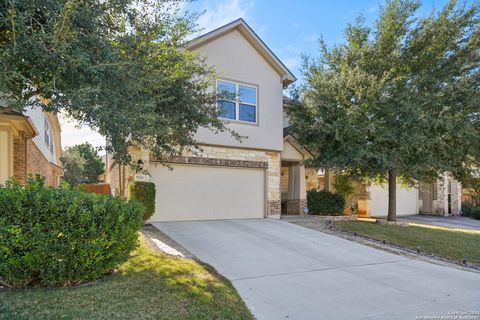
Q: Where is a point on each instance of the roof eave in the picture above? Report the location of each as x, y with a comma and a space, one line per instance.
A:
244, 28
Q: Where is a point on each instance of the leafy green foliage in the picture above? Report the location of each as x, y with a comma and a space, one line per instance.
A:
472, 184
325, 202
475, 213
181, 289
344, 185
470, 211
399, 99
121, 67
81, 164
62, 236
143, 192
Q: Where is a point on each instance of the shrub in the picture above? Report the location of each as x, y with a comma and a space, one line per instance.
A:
143, 192
466, 208
62, 236
325, 202
475, 213
344, 185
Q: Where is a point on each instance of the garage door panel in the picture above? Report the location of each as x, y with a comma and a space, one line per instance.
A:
204, 193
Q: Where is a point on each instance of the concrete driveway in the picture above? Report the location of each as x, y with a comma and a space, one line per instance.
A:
449, 222
284, 271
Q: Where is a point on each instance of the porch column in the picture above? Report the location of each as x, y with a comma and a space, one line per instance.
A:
297, 195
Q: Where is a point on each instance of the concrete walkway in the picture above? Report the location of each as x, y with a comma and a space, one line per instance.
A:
284, 271
449, 222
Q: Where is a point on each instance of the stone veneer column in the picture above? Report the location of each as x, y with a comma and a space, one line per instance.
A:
297, 194
274, 205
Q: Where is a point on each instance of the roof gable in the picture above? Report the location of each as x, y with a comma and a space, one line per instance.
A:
247, 32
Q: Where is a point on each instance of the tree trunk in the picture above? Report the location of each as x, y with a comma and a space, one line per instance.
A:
392, 196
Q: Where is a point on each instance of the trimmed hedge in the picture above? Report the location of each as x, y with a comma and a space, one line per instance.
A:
143, 192
62, 236
325, 203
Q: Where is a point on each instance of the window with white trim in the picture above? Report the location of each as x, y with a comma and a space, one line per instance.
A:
48, 136
237, 101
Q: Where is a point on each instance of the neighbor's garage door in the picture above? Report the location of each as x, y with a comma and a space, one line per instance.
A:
205, 193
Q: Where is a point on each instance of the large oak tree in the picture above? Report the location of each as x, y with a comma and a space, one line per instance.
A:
399, 100
118, 66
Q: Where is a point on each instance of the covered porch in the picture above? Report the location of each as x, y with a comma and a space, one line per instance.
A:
296, 179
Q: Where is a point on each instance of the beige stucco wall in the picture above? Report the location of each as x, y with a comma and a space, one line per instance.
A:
5, 156
237, 60
407, 200
290, 153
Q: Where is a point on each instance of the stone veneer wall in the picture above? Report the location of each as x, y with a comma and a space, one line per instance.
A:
311, 178
456, 197
440, 204
359, 194
237, 157
295, 207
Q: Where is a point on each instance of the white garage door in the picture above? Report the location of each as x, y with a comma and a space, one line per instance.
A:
205, 193
407, 200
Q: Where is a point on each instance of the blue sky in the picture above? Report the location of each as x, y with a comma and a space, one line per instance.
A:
288, 27
293, 27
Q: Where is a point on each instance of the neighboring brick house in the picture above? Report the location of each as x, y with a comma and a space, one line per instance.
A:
29, 144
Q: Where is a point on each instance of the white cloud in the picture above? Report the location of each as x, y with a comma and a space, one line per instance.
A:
218, 13
73, 133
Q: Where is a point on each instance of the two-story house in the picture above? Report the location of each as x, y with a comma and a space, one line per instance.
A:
29, 144
231, 179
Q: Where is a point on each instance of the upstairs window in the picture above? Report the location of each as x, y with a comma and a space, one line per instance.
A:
48, 136
237, 101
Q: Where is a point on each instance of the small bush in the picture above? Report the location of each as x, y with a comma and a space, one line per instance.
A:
62, 236
143, 192
475, 213
466, 208
325, 203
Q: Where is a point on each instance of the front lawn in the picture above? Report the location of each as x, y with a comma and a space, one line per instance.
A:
150, 285
452, 244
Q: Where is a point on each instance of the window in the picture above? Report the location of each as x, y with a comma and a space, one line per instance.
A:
48, 136
237, 101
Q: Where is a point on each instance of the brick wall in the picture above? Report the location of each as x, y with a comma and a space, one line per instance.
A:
19, 159
38, 164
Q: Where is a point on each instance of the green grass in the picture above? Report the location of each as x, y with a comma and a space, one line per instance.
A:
452, 244
150, 285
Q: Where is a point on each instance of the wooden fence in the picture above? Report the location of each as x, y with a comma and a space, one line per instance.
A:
101, 188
